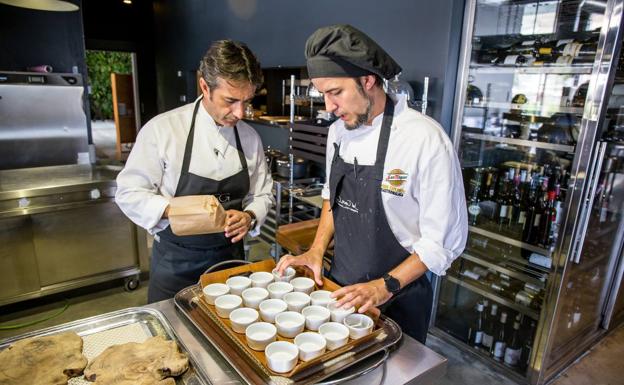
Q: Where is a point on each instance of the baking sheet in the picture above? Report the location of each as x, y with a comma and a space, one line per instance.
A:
128, 325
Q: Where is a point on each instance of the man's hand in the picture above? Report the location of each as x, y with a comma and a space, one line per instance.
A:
364, 296
236, 224
312, 259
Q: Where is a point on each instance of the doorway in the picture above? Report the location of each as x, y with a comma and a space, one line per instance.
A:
113, 95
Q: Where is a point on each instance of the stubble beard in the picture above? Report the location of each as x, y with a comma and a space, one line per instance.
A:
364, 117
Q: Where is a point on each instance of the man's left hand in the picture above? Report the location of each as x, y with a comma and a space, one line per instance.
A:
364, 296
236, 224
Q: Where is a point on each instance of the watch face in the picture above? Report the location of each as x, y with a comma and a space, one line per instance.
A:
392, 284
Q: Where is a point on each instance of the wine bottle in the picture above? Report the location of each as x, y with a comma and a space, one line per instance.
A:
488, 332
514, 348
474, 209
504, 202
500, 343
525, 356
478, 327
549, 216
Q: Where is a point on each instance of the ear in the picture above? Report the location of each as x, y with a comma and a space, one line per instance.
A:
368, 81
205, 89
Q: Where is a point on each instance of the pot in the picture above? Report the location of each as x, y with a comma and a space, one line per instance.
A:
299, 170
271, 156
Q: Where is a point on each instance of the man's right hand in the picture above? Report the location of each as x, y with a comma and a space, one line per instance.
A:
312, 259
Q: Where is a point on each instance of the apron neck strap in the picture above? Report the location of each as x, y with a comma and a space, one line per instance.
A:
384, 137
188, 149
239, 149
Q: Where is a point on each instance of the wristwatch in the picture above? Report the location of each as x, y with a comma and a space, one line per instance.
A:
392, 284
254, 221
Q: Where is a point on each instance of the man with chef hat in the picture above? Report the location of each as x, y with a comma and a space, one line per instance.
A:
202, 148
394, 199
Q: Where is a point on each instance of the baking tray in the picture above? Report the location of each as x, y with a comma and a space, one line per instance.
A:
127, 325
189, 302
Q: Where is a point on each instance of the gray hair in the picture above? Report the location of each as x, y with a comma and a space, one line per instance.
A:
230, 60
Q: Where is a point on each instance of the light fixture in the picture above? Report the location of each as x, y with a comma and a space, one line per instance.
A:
127, 2
43, 5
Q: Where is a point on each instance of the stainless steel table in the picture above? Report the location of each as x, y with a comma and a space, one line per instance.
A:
411, 363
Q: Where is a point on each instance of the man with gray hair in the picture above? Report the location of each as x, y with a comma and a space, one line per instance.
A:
202, 148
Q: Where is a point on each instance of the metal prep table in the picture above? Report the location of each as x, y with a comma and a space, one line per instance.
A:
411, 363
61, 229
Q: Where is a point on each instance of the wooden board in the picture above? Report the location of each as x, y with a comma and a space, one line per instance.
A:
259, 358
123, 109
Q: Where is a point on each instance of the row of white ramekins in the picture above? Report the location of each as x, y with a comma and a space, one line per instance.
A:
281, 302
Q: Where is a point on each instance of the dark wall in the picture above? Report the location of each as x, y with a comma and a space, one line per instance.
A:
115, 26
421, 35
30, 37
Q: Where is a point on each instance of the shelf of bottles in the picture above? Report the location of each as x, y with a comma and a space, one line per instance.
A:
526, 82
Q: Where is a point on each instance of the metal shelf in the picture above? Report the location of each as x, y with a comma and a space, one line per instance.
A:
518, 263
520, 142
510, 272
504, 301
553, 70
527, 107
510, 241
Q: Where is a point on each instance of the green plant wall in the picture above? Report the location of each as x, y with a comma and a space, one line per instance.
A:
100, 65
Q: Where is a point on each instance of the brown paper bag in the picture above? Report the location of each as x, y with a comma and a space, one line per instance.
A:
196, 214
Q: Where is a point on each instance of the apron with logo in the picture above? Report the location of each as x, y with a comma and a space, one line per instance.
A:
178, 261
365, 246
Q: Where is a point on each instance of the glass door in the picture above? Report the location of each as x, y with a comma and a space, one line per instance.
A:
517, 125
592, 269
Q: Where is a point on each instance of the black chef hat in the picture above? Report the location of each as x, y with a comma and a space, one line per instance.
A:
343, 51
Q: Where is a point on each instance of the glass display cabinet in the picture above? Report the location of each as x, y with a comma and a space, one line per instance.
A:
539, 127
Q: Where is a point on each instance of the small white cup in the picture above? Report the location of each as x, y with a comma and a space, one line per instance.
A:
261, 279
335, 334
321, 298
338, 314
279, 289
269, 308
215, 290
253, 296
289, 274
311, 345
238, 284
289, 324
281, 356
259, 335
242, 317
226, 303
359, 325
315, 316
303, 284
296, 301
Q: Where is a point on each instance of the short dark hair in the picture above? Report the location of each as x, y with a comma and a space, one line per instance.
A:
231, 60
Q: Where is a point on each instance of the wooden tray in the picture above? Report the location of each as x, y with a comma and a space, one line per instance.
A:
268, 265
234, 346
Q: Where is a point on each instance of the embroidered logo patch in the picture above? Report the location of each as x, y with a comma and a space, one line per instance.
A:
347, 204
394, 181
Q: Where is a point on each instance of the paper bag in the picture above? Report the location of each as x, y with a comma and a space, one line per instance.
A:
196, 214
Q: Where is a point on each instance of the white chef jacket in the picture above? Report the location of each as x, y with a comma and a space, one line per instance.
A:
425, 205
151, 174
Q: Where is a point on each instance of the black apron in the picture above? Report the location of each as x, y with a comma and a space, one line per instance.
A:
365, 246
178, 261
